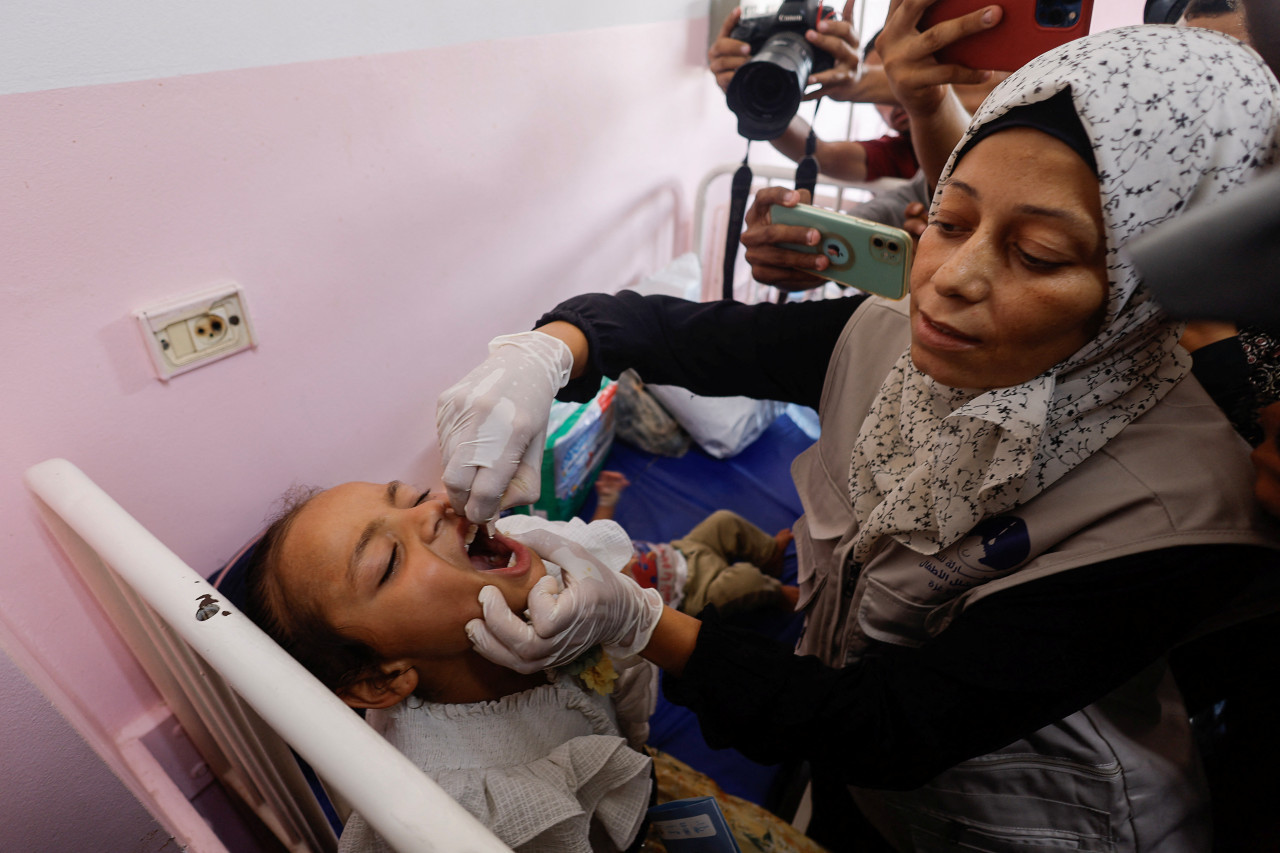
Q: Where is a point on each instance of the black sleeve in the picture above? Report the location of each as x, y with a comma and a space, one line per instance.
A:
1223, 369
1012, 663
716, 349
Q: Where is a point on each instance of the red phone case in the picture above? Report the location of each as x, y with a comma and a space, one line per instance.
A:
1013, 42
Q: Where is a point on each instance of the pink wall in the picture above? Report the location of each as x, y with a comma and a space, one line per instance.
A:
386, 217
1108, 14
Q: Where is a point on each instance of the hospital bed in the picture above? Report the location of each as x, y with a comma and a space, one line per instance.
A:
251, 710
282, 743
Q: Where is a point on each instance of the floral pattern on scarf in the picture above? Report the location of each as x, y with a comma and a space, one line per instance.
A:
1177, 116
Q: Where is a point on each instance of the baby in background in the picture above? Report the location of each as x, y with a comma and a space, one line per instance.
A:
725, 560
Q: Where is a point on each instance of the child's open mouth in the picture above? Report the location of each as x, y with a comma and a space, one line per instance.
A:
488, 552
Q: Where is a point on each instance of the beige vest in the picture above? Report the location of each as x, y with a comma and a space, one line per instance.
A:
1178, 475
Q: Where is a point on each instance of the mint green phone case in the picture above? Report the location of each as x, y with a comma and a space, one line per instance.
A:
864, 254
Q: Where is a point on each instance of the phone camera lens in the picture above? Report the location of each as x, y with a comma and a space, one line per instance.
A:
893, 247
1057, 13
877, 242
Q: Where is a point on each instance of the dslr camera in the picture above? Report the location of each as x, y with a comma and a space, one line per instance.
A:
765, 92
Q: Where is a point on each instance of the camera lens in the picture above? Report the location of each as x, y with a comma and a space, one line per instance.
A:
765, 92
877, 242
893, 247
769, 89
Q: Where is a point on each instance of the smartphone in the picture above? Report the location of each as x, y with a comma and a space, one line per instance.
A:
864, 254
1028, 29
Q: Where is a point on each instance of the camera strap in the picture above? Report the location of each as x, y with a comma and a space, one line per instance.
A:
737, 211
806, 179
807, 171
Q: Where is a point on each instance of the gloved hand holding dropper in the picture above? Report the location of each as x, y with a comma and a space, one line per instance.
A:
492, 428
493, 423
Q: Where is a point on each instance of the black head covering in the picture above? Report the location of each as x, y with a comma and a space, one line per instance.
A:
1055, 116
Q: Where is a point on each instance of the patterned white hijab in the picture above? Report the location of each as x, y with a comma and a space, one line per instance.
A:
1176, 116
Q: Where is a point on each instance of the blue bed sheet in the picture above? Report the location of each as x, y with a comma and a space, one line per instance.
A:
666, 499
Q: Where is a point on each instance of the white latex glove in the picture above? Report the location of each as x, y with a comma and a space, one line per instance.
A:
492, 424
597, 606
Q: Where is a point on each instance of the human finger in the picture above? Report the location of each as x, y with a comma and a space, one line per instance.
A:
526, 483
911, 74
785, 278
767, 198
491, 648
457, 479
729, 60
727, 54
730, 21
487, 490
502, 636
788, 260
724, 67
835, 83
914, 219
836, 38
951, 30
764, 236
509, 464
553, 608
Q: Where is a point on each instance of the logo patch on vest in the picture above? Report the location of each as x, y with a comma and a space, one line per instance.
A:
995, 545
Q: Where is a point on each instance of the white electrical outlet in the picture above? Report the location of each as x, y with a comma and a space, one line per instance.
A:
189, 332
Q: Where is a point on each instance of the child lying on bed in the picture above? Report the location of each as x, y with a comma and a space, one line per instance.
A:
369, 587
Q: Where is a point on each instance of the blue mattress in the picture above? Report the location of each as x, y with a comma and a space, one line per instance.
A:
667, 498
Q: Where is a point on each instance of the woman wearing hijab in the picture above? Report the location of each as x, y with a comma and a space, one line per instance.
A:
1017, 505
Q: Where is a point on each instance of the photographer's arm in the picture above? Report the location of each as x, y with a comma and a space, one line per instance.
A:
935, 134
923, 85
844, 160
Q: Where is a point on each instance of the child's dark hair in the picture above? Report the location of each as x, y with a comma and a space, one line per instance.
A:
338, 661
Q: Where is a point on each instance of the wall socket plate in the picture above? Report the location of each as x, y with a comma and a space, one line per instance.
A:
191, 331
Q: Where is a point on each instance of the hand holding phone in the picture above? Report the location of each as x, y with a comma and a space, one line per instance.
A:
1027, 29
867, 255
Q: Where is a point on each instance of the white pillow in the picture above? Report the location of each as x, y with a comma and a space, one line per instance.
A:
722, 426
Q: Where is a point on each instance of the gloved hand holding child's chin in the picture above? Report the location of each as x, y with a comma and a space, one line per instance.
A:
492, 424
596, 606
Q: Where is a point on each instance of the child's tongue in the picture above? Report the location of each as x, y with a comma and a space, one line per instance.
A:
487, 553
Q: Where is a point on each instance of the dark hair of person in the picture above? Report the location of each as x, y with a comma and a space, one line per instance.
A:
1210, 8
297, 626
870, 44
